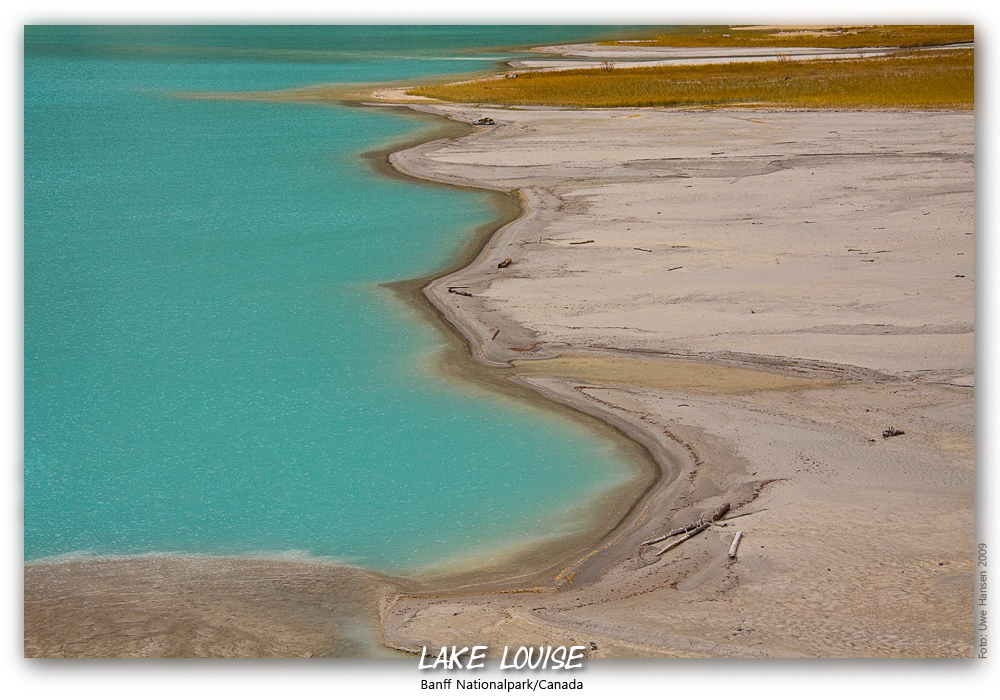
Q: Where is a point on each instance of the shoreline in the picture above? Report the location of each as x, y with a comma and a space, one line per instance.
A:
537, 560
465, 361
476, 358
472, 359
718, 471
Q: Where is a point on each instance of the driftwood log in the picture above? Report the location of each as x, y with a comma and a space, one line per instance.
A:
504, 264
720, 511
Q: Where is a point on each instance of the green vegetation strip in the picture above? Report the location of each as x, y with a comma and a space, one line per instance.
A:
904, 36
930, 80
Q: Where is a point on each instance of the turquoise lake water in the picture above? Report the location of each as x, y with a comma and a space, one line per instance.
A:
210, 364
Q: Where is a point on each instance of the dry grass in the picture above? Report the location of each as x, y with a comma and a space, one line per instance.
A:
933, 80
670, 374
900, 35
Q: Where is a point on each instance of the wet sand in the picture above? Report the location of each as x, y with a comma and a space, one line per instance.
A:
177, 606
752, 297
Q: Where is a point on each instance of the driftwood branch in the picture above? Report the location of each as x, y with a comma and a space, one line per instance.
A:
697, 526
735, 545
676, 531
743, 515
688, 536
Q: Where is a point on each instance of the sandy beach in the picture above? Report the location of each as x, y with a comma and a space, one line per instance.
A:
751, 296
760, 295
572, 56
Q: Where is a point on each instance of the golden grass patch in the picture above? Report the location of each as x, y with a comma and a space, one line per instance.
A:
926, 80
899, 35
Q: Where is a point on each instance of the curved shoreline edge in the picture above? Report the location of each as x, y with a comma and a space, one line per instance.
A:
470, 358
536, 565
664, 461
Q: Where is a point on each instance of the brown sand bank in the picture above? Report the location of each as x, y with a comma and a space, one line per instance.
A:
830, 258
160, 606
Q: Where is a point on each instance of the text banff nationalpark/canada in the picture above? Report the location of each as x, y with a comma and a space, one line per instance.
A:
476, 684
543, 657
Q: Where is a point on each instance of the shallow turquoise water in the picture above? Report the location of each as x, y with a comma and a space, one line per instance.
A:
210, 366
